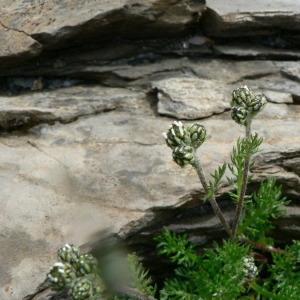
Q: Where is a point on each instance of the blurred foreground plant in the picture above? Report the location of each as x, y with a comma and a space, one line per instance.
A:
113, 277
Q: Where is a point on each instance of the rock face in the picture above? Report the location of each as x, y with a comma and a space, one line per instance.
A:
250, 17
179, 97
63, 105
86, 89
39, 25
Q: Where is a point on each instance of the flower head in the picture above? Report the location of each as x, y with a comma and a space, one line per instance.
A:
239, 114
184, 141
61, 275
257, 104
85, 264
241, 96
249, 267
183, 155
197, 135
175, 135
81, 289
245, 105
69, 253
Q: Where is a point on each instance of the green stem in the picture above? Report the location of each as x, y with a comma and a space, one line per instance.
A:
240, 202
261, 291
212, 199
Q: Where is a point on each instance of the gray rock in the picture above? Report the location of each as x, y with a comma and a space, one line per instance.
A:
247, 18
16, 44
64, 105
289, 69
257, 51
229, 71
277, 97
275, 83
25, 27
191, 98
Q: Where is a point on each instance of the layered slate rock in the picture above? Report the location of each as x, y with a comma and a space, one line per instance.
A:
253, 28
249, 18
59, 24
16, 45
64, 105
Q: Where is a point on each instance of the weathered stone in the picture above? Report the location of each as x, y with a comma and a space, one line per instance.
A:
125, 73
65, 105
289, 69
191, 98
277, 97
62, 24
16, 45
250, 50
247, 18
287, 227
276, 83
229, 71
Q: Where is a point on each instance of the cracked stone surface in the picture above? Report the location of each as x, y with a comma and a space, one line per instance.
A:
81, 116
25, 47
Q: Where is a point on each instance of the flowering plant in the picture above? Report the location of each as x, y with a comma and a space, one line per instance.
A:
247, 265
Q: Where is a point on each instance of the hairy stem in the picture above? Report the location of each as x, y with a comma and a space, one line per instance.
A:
212, 200
240, 202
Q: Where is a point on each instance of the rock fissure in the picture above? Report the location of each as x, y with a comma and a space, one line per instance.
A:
35, 146
18, 30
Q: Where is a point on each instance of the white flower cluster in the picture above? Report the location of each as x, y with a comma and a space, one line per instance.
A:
249, 267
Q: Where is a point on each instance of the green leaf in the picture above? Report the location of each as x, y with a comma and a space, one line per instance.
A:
266, 205
140, 279
175, 246
213, 186
216, 274
244, 149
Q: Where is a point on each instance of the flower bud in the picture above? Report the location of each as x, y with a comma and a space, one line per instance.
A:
245, 105
197, 135
258, 104
85, 264
175, 135
183, 155
242, 96
68, 253
81, 289
239, 114
249, 267
61, 275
